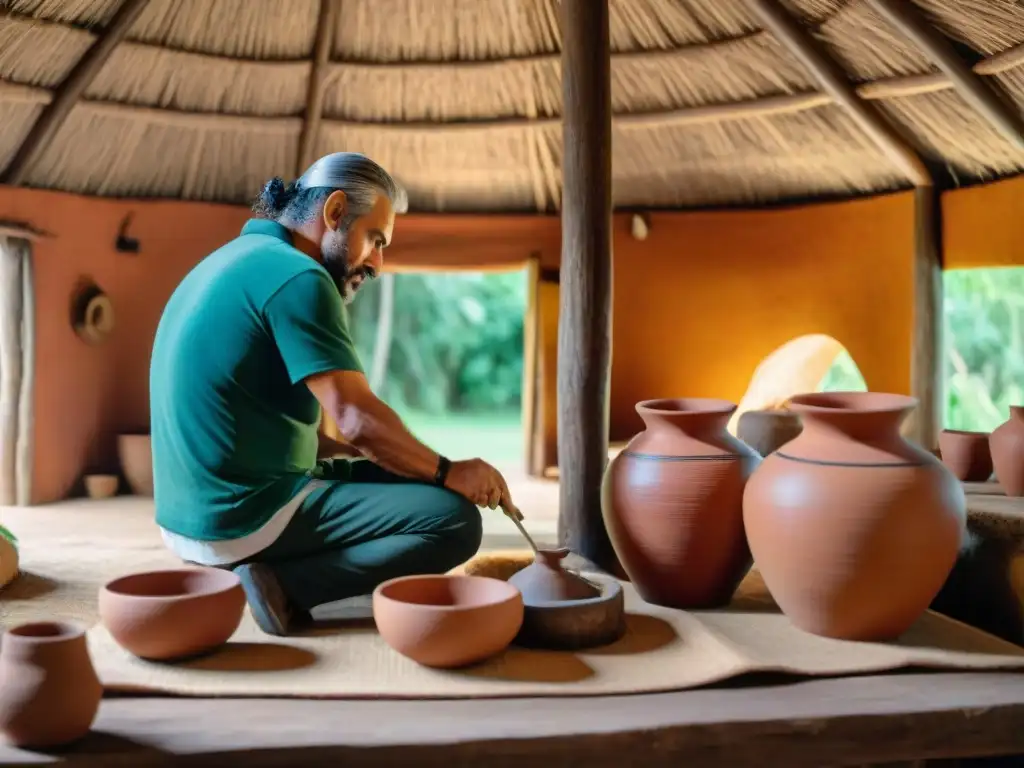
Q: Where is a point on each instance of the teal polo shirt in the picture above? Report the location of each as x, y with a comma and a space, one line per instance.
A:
234, 427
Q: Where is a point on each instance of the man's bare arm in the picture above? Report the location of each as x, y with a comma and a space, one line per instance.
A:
370, 426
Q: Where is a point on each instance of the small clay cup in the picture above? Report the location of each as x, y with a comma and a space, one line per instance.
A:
966, 455
101, 486
174, 614
49, 691
447, 621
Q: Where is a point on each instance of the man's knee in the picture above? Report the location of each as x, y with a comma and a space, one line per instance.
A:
461, 524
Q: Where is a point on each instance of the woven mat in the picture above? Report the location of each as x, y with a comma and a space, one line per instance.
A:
663, 649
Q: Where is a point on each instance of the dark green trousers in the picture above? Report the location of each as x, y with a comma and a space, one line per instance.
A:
368, 525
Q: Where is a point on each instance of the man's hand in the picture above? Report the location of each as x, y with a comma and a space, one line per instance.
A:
478, 481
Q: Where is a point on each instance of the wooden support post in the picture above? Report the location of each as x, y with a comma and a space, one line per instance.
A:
70, 91
310, 135
927, 353
585, 300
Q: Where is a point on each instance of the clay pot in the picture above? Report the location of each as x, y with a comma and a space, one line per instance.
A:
672, 504
854, 528
767, 431
447, 621
49, 691
136, 456
162, 615
966, 454
545, 581
101, 486
1007, 446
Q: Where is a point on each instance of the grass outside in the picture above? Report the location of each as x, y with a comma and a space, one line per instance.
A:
494, 437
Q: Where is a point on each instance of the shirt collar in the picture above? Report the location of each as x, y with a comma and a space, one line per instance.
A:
267, 227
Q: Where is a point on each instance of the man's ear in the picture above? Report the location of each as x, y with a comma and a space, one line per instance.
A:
335, 208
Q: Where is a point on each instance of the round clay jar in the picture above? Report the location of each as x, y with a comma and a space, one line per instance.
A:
1007, 446
672, 504
49, 691
853, 528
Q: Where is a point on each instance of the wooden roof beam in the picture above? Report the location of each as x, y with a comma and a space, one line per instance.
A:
310, 135
70, 91
982, 96
834, 81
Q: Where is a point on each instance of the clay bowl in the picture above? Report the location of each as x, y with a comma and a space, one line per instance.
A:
966, 454
101, 486
164, 615
447, 621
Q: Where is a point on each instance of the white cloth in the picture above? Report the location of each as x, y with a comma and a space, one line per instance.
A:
230, 551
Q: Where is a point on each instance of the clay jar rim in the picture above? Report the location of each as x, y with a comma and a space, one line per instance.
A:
505, 593
214, 582
851, 402
44, 632
685, 406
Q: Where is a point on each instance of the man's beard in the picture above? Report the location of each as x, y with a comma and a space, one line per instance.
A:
334, 253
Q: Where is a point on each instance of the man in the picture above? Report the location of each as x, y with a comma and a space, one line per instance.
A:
251, 345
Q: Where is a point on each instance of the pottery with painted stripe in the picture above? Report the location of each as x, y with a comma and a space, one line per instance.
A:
672, 503
854, 528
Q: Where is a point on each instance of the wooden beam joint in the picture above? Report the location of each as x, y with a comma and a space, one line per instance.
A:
982, 96
835, 82
313, 118
70, 91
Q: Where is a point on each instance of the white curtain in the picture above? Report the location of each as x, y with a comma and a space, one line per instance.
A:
17, 368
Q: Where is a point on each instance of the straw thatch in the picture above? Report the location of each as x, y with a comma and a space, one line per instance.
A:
204, 99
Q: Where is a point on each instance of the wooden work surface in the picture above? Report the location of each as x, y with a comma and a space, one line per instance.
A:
812, 723
755, 721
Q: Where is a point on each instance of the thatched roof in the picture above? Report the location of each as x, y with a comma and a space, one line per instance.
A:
204, 99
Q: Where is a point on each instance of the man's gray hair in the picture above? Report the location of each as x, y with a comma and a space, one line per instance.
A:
360, 178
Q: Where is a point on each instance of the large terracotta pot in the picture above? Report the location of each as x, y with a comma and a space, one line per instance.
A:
853, 528
1007, 446
672, 504
966, 454
136, 457
49, 691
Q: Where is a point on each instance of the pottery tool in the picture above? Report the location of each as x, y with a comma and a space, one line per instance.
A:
512, 512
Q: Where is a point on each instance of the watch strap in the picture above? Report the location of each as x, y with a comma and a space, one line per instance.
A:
441, 475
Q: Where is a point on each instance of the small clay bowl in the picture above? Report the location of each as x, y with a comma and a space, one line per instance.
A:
101, 486
165, 615
966, 454
447, 621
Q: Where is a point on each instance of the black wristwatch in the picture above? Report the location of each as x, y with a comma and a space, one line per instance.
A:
441, 475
